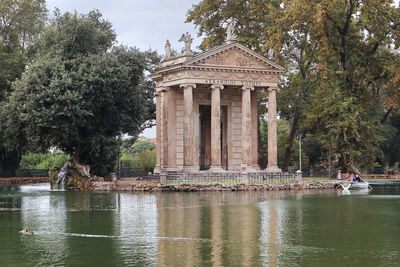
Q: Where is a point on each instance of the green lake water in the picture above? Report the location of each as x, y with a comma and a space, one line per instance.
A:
298, 228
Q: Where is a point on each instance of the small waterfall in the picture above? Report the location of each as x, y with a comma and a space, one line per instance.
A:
61, 177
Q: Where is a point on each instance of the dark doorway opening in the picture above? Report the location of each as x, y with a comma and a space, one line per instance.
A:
205, 137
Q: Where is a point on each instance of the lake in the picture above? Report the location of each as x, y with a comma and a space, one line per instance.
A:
297, 228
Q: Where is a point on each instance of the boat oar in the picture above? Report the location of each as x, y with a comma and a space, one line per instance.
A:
362, 180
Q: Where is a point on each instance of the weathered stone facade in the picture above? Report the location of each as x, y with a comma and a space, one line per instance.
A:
207, 109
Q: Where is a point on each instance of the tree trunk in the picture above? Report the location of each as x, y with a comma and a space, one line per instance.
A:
289, 151
9, 160
261, 159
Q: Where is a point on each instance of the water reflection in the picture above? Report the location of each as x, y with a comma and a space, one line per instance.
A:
135, 224
212, 229
46, 214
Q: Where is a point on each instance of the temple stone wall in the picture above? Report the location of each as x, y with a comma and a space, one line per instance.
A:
236, 159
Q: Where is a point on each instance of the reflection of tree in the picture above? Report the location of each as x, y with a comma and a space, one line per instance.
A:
45, 214
90, 214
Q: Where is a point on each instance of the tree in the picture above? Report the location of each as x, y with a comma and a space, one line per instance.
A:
142, 145
144, 161
355, 69
80, 93
48, 161
20, 22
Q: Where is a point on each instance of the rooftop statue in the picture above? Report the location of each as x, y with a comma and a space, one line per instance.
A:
167, 49
187, 38
230, 31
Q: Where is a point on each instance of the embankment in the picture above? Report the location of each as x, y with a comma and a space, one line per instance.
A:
23, 180
196, 187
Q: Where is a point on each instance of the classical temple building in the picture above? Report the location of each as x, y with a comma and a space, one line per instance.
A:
207, 109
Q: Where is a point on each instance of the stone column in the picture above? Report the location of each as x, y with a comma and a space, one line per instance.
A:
272, 132
157, 168
164, 142
254, 130
216, 127
246, 126
171, 106
188, 139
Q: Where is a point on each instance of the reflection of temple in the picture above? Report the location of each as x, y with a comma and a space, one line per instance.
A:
207, 109
210, 235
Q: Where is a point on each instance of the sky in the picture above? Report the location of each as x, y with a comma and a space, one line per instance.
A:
144, 24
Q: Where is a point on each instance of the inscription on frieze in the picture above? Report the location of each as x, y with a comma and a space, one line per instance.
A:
232, 82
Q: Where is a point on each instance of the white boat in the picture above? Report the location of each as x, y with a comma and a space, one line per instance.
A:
356, 185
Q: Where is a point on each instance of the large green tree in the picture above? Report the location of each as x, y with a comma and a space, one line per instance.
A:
80, 92
356, 70
20, 22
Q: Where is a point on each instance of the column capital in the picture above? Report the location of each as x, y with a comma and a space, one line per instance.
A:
219, 86
272, 88
245, 87
185, 85
157, 93
164, 89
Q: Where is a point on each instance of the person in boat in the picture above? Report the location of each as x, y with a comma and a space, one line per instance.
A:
358, 178
352, 178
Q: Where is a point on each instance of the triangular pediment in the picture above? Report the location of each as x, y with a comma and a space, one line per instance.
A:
234, 55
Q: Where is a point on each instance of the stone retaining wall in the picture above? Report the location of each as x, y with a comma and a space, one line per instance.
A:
156, 186
23, 180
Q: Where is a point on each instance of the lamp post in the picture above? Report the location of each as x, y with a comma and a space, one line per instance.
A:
119, 158
330, 149
299, 138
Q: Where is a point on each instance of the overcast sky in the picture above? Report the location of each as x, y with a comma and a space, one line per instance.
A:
141, 23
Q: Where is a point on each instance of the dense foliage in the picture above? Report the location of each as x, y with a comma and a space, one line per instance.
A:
21, 21
47, 161
80, 92
342, 84
140, 156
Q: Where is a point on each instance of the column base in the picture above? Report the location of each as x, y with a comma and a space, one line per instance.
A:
273, 169
216, 169
157, 169
170, 169
251, 169
189, 169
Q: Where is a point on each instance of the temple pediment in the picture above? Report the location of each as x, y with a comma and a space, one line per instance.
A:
234, 55
230, 64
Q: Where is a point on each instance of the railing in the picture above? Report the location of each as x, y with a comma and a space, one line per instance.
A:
229, 177
131, 174
10, 173
223, 177
380, 176
319, 173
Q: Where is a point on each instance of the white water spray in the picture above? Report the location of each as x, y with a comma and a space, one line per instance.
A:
61, 177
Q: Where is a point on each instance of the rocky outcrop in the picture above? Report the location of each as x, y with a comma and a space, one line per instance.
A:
73, 177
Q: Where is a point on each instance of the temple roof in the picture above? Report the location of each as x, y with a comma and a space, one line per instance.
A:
231, 56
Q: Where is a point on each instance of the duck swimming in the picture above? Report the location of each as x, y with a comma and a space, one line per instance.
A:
27, 232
